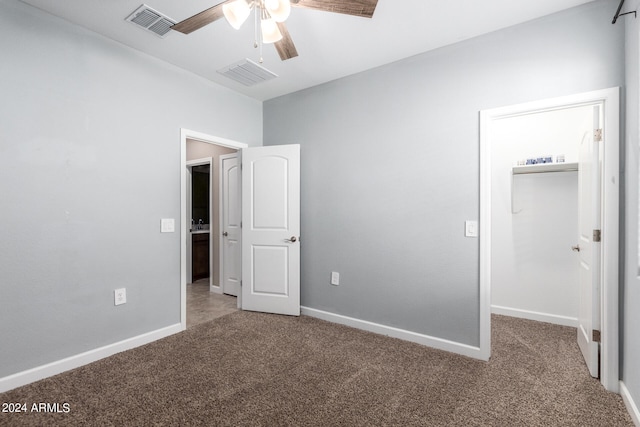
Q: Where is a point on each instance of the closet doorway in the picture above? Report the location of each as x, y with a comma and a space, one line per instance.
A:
534, 214
530, 221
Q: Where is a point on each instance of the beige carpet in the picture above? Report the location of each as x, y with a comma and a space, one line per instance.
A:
252, 369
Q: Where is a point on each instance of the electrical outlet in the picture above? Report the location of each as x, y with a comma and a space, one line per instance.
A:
335, 278
120, 296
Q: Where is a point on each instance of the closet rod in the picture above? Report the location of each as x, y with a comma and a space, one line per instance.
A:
618, 14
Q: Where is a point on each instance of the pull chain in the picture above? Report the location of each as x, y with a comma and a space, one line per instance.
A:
255, 26
262, 10
257, 33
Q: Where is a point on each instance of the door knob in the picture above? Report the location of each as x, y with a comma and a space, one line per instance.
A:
293, 239
575, 248
225, 234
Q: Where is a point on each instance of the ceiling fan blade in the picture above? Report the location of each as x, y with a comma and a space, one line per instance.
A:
201, 19
363, 8
285, 47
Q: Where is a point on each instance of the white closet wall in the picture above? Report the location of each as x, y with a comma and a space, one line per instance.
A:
534, 272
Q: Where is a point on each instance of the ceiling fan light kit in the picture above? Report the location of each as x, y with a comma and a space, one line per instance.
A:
236, 13
270, 31
269, 28
271, 11
278, 9
271, 15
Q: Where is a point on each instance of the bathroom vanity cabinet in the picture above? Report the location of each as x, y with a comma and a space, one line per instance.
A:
200, 256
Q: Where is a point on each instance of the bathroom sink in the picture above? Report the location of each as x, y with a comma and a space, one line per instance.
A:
200, 228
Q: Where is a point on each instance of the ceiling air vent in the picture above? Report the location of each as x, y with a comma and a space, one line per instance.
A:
151, 20
247, 72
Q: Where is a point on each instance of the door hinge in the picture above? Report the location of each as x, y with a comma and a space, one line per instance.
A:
597, 235
596, 336
597, 135
240, 283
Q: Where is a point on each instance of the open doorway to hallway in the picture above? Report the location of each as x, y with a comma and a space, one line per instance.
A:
204, 210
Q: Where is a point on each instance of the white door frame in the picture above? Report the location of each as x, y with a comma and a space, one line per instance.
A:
189, 166
209, 139
610, 98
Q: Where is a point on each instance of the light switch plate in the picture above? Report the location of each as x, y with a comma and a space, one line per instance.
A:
335, 278
471, 228
167, 225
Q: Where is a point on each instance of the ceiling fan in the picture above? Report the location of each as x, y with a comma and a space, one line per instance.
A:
271, 15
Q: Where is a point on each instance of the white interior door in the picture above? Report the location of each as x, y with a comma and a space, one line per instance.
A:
230, 258
271, 229
589, 250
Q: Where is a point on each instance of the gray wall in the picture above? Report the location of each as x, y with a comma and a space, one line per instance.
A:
89, 163
390, 165
631, 291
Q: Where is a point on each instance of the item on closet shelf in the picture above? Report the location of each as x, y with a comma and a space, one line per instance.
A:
539, 160
560, 158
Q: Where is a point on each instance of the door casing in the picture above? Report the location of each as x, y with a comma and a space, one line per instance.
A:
610, 99
197, 136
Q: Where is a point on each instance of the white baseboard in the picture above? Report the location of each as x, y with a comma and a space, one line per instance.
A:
429, 341
25, 377
535, 315
632, 408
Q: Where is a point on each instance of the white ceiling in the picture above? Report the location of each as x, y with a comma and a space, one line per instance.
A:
329, 45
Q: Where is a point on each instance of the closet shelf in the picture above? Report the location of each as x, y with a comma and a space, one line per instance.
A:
545, 167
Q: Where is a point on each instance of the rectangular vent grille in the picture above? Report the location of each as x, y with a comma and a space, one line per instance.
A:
151, 20
247, 72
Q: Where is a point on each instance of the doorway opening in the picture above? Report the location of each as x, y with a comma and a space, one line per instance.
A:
601, 110
534, 208
200, 262
267, 201
204, 301
201, 218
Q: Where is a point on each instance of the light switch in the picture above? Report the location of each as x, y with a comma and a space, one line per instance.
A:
471, 228
335, 278
167, 225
